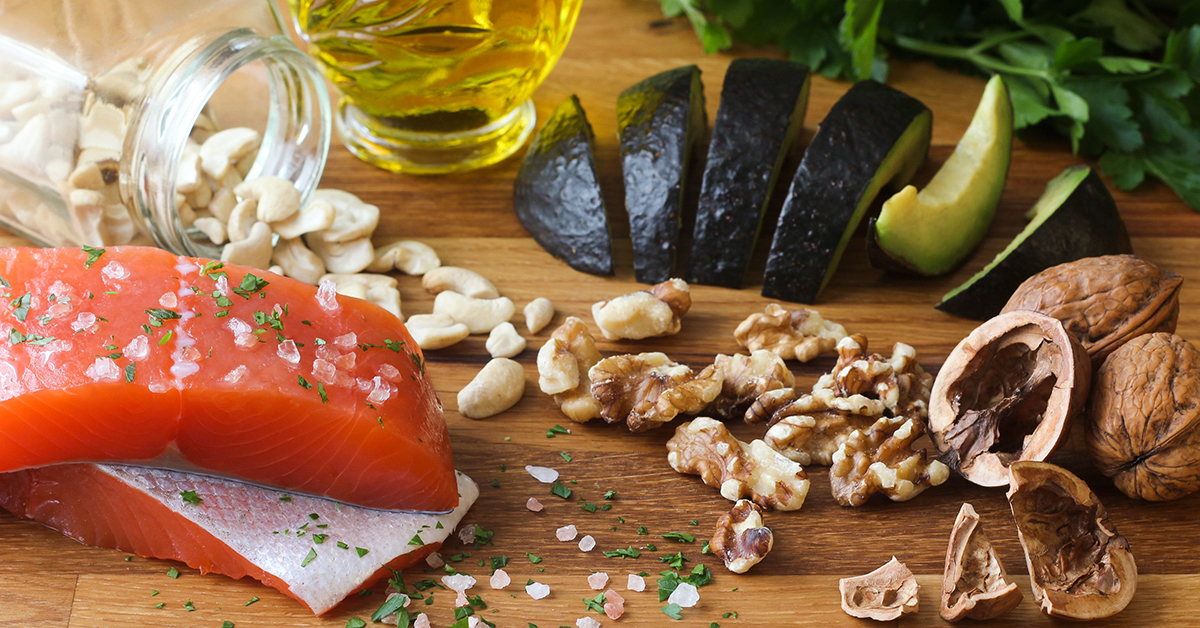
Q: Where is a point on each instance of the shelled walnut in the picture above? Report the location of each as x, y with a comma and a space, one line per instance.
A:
563, 365
705, 447
1103, 301
645, 313
790, 334
646, 390
741, 539
884, 594
1143, 426
1080, 567
746, 378
974, 584
1007, 392
898, 384
809, 431
880, 459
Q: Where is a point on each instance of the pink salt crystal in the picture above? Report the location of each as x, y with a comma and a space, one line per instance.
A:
246, 341
83, 321
587, 543
467, 534
288, 351
615, 597
461, 600
534, 505
473, 622
614, 610
328, 352
636, 583
58, 309
537, 590
435, 560
138, 348
348, 340
191, 354
347, 361
327, 295
387, 371
566, 533
500, 579
232, 377
545, 475
422, 621
104, 370
587, 622
597, 580
168, 299
324, 371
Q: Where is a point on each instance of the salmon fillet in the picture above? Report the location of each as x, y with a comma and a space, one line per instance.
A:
231, 528
136, 355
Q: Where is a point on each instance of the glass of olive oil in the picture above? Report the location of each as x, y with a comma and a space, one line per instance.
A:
435, 86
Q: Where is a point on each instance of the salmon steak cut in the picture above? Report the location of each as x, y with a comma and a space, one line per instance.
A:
138, 356
315, 550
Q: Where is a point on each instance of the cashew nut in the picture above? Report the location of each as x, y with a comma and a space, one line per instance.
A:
353, 218
342, 257
241, 219
298, 262
212, 228
219, 151
465, 282
497, 387
408, 256
222, 204
538, 314
315, 216
255, 250
435, 331
378, 289
479, 315
504, 341
188, 179
200, 197
277, 198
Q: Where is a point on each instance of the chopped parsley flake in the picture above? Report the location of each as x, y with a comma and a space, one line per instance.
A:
533, 558
304, 382
213, 270
250, 284
557, 429
362, 551
565, 456
651, 547
227, 624
704, 548
188, 606
191, 497
163, 314
355, 622
732, 614
93, 255
252, 600
675, 560
286, 498
312, 555
595, 604
321, 391
166, 338
153, 592
610, 494
319, 538
643, 530
628, 552
672, 611
498, 562
173, 573
681, 537
21, 304
394, 605
694, 522
558, 489
342, 545
130, 371
588, 506
159, 605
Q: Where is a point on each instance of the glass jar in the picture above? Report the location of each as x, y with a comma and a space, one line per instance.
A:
101, 100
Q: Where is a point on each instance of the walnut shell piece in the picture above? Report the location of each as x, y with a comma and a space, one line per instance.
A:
1104, 301
1144, 419
646, 390
790, 334
1007, 392
705, 447
884, 594
880, 459
1080, 567
974, 584
741, 539
646, 313
563, 364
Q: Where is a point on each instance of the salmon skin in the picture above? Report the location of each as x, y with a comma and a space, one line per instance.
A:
231, 528
135, 355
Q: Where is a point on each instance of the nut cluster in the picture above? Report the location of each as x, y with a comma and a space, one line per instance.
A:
790, 334
645, 390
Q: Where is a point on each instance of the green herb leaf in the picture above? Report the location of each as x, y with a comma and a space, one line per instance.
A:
130, 372
312, 555
628, 552
394, 605
190, 497
533, 558
673, 611
93, 254
565, 456
595, 604
188, 606
173, 573
557, 429
251, 601
361, 551
355, 622
558, 489
682, 537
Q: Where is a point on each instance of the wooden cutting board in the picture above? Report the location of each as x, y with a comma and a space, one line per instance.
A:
49, 581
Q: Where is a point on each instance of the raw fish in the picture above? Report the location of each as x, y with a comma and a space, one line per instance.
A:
136, 355
233, 529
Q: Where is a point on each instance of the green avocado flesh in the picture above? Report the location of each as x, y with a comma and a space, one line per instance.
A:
875, 135
933, 231
1074, 218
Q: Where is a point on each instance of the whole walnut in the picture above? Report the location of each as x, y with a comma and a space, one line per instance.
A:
1103, 301
1144, 418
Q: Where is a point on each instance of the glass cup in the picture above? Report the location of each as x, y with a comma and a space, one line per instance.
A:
435, 86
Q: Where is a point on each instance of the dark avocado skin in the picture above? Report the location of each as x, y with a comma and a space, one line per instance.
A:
761, 112
659, 121
557, 195
1087, 224
880, 258
838, 168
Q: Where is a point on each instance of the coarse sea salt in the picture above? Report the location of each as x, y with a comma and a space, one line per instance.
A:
288, 351
566, 533
534, 505
598, 580
234, 376
435, 560
614, 604
685, 595
500, 579
422, 621
537, 590
458, 582
114, 270
168, 300
587, 622
587, 543
545, 475
84, 321
327, 295
138, 348
104, 369
636, 583
467, 534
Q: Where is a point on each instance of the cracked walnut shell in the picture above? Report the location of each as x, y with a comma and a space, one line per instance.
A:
883, 595
1007, 392
1080, 567
790, 334
645, 313
646, 390
741, 539
1144, 419
752, 470
1103, 301
974, 584
563, 364
880, 459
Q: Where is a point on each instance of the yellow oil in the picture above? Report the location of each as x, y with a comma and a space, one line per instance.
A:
441, 66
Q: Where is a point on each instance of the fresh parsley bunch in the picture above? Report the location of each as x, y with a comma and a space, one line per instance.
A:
1117, 77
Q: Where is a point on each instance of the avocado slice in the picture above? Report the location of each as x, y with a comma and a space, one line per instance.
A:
761, 114
1075, 217
932, 232
659, 122
874, 135
557, 195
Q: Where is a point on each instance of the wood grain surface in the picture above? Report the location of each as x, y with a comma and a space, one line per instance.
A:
47, 580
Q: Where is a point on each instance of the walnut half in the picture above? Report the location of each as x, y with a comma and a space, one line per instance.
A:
790, 334
974, 584
563, 364
705, 447
646, 390
747, 377
741, 539
884, 594
880, 459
